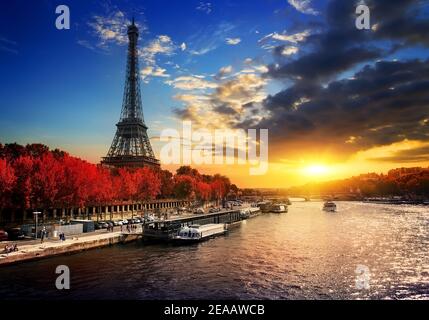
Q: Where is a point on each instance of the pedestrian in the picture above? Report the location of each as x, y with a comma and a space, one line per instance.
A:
42, 235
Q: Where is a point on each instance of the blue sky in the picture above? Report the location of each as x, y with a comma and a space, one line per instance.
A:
297, 67
64, 87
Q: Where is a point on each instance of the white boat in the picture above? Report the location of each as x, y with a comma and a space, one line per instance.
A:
329, 206
197, 233
279, 208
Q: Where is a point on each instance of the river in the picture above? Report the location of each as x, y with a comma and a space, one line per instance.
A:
303, 254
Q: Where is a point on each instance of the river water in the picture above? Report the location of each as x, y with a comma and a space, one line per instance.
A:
303, 254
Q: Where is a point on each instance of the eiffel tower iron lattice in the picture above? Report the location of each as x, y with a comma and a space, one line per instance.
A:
131, 146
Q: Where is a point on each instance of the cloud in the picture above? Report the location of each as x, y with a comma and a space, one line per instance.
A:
323, 64
151, 71
403, 21
416, 154
209, 38
224, 71
303, 6
110, 29
191, 82
86, 44
233, 41
288, 50
379, 105
270, 41
225, 105
205, 7
294, 38
7, 45
161, 45
344, 93
183, 46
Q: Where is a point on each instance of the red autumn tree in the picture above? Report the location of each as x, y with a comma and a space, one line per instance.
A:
148, 184
203, 191
184, 187
23, 167
7, 183
167, 183
220, 186
47, 180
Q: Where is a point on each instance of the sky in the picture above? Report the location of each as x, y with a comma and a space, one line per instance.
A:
337, 101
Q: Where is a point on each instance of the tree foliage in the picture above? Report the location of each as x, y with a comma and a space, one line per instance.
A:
34, 177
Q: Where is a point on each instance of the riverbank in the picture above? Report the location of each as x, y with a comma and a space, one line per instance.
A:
50, 248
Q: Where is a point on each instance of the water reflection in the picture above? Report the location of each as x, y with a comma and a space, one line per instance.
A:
303, 254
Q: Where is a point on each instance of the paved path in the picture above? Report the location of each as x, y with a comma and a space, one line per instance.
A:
28, 250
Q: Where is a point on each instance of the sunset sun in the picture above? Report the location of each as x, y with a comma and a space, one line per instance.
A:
316, 170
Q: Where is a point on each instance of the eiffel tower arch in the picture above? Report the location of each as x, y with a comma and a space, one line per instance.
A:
131, 146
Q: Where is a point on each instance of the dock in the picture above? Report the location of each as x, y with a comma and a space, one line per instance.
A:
157, 230
164, 230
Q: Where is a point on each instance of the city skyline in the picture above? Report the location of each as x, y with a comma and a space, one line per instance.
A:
337, 101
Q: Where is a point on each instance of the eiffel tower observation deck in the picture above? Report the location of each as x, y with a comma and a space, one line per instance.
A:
131, 146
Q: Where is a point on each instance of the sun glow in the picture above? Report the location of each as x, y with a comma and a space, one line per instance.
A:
316, 170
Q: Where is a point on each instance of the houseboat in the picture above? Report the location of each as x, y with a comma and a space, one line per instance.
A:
196, 233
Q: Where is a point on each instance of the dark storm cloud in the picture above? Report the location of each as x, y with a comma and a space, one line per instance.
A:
224, 109
185, 114
322, 64
400, 20
383, 103
339, 47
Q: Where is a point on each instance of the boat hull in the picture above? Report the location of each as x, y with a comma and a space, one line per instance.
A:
185, 241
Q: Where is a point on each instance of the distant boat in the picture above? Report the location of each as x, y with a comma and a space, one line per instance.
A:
196, 233
278, 208
249, 212
329, 206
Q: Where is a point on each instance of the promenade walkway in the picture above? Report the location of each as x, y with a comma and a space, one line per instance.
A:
34, 249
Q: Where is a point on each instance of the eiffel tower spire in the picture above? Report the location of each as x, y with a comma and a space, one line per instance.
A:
131, 146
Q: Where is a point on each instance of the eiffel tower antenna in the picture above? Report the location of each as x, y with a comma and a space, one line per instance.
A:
131, 146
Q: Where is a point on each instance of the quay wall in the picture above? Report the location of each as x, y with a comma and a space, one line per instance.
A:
38, 251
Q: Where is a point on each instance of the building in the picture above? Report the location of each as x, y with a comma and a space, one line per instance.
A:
131, 146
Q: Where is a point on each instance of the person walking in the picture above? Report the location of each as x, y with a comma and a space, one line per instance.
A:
42, 235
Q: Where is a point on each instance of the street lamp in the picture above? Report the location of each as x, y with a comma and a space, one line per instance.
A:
36, 214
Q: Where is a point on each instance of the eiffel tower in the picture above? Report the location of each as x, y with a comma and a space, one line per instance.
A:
131, 146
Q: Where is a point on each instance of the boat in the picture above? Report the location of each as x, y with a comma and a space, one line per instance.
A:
245, 214
196, 233
278, 208
264, 206
249, 212
329, 206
